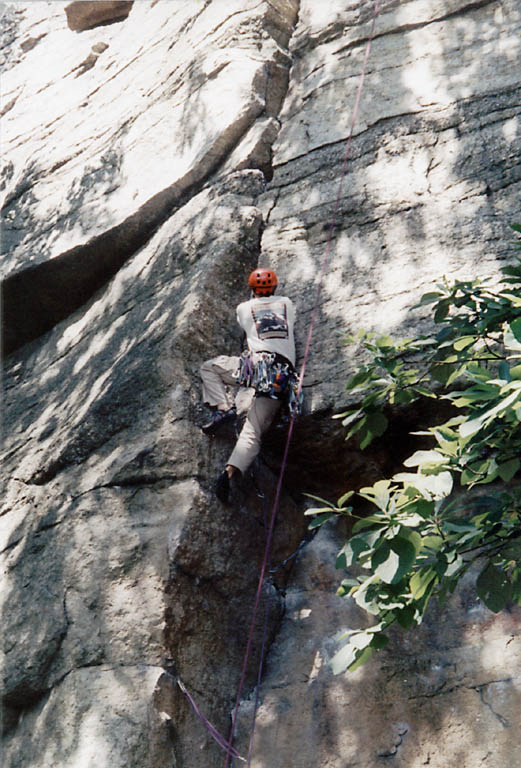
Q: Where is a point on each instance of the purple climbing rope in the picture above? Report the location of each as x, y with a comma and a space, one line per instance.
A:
229, 748
212, 730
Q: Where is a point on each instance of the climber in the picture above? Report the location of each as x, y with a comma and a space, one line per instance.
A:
266, 367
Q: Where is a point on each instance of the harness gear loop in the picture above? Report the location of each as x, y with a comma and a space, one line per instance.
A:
270, 375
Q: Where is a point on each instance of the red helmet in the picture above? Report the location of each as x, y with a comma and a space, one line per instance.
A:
263, 281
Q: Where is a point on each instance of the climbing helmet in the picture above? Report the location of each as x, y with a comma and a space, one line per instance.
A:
263, 281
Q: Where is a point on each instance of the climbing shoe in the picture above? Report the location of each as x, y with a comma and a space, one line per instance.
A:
218, 419
222, 487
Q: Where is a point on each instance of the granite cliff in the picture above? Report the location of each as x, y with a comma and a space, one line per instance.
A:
153, 153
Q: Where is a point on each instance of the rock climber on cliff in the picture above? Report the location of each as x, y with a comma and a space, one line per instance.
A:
267, 366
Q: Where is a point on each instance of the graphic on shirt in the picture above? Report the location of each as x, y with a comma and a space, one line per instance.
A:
271, 321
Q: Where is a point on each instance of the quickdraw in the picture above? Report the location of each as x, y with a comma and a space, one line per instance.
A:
271, 375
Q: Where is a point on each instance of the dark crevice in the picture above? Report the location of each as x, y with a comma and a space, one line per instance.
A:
35, 299
137, 481
340, 465
8, 107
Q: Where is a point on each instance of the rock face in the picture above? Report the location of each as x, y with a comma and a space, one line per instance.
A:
149, 165
86, 14
447, 695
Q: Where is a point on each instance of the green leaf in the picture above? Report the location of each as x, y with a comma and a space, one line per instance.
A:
343, 659
379, 640
364, 595
350, 417
456, 373
317, 510
472, 427
420, 582
508, 469
510, 338
424, 391
412, 520
442, 373
346, 586
476, 472
419, 458
406, 616
378, 493
515, 327
342, 500
430, 486
463, 342
320, 520
391, 562
374, 426
413, 537
358, 650
494, 588
455, 566
442, 310
504, 370
429, 298
432, 542
512, 298
384, 342
368, 521
401, 397
359, 379
356, 545
319, 498
362, 658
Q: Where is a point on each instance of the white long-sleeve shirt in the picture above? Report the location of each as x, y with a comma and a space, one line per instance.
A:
268, 322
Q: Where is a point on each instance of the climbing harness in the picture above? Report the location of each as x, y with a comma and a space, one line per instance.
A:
270, 375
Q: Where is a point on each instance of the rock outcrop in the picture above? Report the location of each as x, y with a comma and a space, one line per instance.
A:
86, 14
148, 165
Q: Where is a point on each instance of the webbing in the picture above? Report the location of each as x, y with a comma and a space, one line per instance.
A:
307, 349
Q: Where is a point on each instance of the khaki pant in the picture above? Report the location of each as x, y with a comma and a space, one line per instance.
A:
216, 374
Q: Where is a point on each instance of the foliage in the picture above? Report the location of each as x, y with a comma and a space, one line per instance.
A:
420, 538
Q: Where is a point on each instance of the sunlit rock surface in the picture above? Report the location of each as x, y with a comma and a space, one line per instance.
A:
429, 187
148, 164
449, 694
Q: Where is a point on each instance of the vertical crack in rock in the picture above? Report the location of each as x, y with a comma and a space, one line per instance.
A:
484, 694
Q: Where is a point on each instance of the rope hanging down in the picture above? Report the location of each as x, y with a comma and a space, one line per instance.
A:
229, 748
